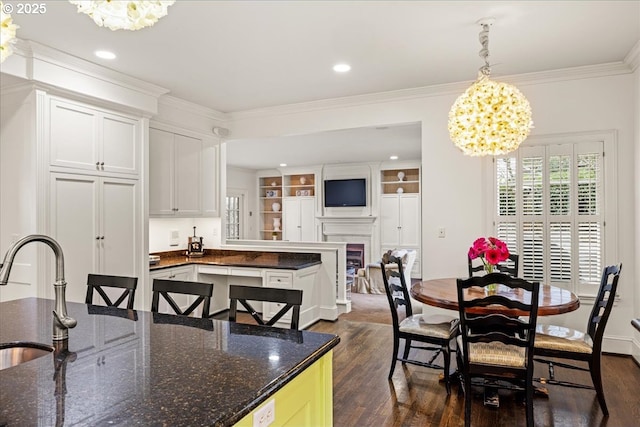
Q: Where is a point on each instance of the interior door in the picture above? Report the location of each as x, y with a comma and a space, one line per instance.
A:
409, 220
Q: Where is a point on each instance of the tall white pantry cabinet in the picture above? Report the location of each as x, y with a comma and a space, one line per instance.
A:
72, 171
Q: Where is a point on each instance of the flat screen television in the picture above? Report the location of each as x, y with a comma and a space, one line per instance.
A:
345, 192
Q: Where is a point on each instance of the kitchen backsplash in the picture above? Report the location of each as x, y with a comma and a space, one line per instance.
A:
163, 232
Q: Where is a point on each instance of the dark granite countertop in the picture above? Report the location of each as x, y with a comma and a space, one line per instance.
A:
126, 367
231, 258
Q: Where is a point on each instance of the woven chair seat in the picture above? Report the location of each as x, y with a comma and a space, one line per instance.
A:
495, 353
437, 326
560, 338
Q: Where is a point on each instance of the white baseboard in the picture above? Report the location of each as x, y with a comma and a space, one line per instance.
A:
619, 345
635, 352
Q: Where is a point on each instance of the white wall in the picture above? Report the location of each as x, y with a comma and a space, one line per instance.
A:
455, 188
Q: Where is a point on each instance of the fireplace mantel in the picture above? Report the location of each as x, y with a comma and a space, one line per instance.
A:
349, 219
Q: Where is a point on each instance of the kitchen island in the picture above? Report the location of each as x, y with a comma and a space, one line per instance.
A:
286, 270
126, 367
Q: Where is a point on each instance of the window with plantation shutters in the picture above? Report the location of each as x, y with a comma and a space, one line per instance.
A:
549, 210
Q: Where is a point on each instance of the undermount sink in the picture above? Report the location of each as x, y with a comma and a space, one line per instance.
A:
15, 353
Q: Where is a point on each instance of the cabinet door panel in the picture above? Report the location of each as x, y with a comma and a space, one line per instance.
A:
118, 222
73, 136
290, 219
307, 220
410, 220
74, 224
188, 177
119, 144
210, 180
161, 169
389, 221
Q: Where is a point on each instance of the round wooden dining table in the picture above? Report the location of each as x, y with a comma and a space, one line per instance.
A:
443, 293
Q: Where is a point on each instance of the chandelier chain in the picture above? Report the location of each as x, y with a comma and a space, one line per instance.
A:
485, 70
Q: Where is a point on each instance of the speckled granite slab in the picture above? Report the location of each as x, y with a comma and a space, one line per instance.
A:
126, 367
255, 259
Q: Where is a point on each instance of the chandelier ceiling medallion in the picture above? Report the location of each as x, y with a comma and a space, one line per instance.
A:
7, 32
489, 118
123, 14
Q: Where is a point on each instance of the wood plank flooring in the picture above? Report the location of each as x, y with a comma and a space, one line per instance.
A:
364, 397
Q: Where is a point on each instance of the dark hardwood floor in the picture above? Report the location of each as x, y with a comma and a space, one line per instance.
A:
364, 397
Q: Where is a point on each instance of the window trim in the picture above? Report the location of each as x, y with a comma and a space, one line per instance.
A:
608, 138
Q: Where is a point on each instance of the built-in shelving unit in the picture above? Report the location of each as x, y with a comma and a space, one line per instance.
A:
302, 185
271, 207
400, 180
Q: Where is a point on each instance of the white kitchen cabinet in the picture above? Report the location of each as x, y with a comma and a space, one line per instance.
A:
400, 224
298, 217
175, 174
95, 221
93, 140
184, 273
210, 181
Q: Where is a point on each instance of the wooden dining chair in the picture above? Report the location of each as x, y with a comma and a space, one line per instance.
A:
510, 266
568, 344
496, 349
98, 283
434, 332
166, 287
285, 299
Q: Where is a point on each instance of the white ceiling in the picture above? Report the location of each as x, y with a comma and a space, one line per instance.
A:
240, 55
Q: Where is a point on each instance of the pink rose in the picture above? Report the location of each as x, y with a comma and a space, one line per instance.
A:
473, 254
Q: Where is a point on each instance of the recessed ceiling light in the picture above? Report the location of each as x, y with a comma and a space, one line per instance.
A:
341, 68
105, 54
393, 157
283, 165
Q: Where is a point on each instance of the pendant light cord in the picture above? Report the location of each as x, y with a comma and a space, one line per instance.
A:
485, 70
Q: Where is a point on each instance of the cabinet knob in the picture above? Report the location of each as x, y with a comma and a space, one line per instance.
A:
102, 164
97, 164
97, 237
101, 237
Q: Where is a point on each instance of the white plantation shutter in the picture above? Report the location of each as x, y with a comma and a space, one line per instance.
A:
549, 210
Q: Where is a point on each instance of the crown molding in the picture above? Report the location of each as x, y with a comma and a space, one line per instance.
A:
193, 108
81, 66
633, 57
574, 73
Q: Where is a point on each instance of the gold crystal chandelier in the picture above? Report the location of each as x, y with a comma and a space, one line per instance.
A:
489, 118
123, 14
7, 32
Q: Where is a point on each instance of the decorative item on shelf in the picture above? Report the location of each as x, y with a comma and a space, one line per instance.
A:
276, 224
124, 15
195, 247
273, 183
303, 180
274, 235
491, 251
275, 207
400, 176
7, 32
272, 193
489, 118
303, 193
400, 190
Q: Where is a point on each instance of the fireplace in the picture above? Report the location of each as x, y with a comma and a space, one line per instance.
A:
355, 255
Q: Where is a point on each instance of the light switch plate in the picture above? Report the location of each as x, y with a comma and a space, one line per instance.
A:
174, 238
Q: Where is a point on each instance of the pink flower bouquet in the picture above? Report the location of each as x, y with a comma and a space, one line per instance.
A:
490, 250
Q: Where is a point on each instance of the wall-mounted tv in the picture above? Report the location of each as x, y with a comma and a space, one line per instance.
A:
345, 192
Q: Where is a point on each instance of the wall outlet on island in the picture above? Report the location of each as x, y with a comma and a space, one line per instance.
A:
266, 415
174, 238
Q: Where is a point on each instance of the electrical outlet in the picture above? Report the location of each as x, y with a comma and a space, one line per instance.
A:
441, 232
266, 415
